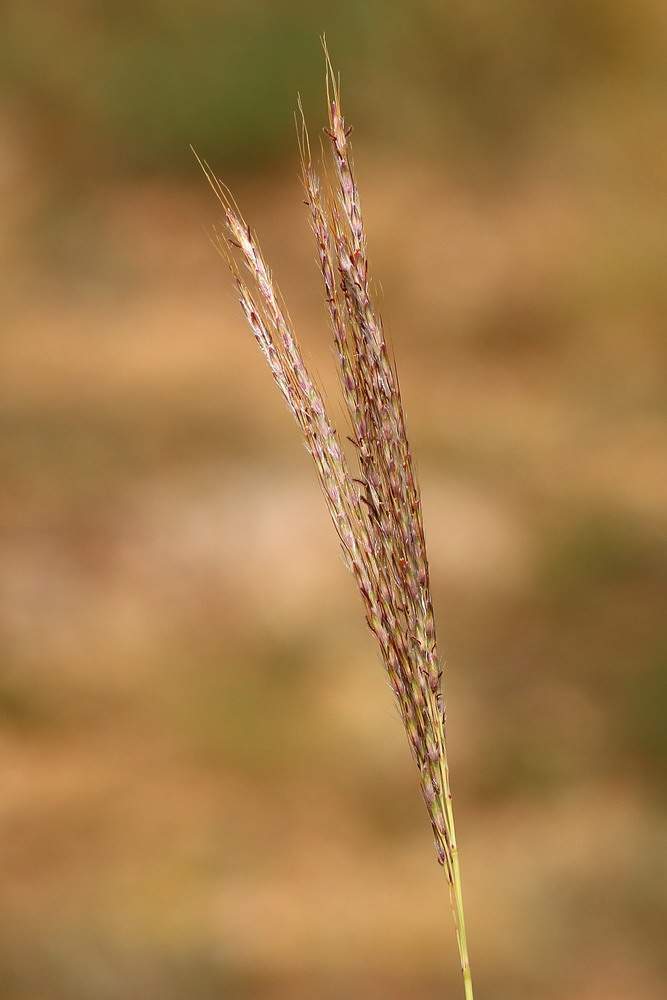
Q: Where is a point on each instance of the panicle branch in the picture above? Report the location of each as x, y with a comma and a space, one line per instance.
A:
376, 508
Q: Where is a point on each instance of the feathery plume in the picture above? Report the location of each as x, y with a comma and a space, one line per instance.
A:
375, 508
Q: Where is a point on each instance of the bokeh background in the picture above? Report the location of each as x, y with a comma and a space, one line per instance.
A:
204, 788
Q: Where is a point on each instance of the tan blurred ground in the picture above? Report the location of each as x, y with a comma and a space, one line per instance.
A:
204, 789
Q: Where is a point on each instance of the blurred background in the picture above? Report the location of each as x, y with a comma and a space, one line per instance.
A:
204, 788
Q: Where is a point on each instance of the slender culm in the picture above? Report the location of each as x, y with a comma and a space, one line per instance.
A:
375, 502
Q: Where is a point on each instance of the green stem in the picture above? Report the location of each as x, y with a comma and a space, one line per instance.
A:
456, 893
455, 885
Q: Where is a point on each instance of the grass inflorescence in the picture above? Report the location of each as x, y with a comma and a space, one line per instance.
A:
374, 503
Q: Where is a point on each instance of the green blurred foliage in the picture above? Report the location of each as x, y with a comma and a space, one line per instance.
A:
501, 66
140, 81
642, 718
600, 549
145, 80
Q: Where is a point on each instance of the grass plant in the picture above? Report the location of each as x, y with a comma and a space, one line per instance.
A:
374, 499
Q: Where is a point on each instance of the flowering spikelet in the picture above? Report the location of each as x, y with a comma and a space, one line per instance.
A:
376, 509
